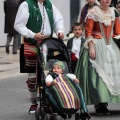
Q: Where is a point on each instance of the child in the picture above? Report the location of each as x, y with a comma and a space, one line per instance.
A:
74, 44
118, 6
58, 68
64, 90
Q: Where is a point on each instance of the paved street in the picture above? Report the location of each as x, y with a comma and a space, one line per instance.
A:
15, 102
14, 96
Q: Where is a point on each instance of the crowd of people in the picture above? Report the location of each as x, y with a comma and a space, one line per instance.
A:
95, 57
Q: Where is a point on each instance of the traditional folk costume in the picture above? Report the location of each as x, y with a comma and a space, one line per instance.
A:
33, 17
100, 78
74, 45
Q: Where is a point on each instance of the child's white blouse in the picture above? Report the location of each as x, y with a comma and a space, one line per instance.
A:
76, 46
49, 78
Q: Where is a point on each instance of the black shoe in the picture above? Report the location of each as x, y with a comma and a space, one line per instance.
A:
64, 116
105, 110
14, 52
87, 115
7, 49
98, 110
69, 115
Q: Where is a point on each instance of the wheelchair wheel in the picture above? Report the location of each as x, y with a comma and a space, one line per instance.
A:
77, 116
47, 117
37, 112
53, 117
69, 115
42, 114
83, 116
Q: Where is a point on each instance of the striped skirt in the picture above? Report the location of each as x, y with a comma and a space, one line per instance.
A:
30, 52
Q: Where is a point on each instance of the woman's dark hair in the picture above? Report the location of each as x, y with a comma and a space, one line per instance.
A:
22, 1
113, 3
118, 2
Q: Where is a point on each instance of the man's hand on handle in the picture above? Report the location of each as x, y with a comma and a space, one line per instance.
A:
60, 35
39, 36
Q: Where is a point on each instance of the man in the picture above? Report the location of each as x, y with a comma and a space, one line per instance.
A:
10, 10
36, 20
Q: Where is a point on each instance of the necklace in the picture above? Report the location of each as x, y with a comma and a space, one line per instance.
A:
106, 11
90, 7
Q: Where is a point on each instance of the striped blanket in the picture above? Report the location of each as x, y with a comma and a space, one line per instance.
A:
65, 93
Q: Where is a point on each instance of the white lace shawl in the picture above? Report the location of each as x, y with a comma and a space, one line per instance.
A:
99, 16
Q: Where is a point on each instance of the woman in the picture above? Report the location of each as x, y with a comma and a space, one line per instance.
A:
118, 6
113, 3
10, 10
90, 4
98, 66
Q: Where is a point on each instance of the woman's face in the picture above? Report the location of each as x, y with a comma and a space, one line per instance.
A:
91, 2
105, 3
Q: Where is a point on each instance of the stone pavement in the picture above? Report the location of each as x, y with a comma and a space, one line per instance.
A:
9, 64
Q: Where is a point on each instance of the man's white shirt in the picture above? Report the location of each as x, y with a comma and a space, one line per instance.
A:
76, 45
23, 16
